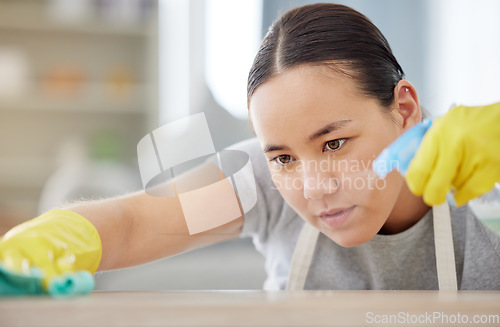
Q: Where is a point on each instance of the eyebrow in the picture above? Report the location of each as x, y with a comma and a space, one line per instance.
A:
322, 131
329, 128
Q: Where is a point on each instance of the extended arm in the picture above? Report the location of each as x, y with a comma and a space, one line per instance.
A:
102, 235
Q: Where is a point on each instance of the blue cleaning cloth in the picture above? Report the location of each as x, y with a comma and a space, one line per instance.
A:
399, 154
19, 284
69, 284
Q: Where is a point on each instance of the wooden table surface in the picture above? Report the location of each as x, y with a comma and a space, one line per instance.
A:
256, 308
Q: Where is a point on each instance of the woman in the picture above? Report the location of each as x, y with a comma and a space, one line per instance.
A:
325, 97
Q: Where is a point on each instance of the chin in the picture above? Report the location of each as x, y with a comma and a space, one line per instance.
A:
348, 239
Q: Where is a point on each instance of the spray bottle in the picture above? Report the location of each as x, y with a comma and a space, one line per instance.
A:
399, 154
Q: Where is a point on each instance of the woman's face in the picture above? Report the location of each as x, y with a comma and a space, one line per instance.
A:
320, 136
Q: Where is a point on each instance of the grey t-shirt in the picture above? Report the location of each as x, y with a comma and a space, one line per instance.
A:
402, 261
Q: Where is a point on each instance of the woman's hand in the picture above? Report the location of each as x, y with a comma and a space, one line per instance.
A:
460, 152
54, 253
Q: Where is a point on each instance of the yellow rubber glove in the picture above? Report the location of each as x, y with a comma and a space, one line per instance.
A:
56, 243
460, 152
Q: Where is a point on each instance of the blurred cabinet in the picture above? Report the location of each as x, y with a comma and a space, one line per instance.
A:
86, 73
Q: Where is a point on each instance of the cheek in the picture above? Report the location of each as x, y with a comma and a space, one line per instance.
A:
360, 185
287, 184
386, 193
291, 189
355, 174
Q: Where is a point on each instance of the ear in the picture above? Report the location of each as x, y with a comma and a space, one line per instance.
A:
406, 104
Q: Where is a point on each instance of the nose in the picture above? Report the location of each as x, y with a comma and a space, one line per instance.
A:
317, 184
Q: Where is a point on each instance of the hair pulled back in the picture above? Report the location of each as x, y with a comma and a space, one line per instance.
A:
334, 35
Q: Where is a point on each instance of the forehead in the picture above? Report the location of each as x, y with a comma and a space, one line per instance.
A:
304, 97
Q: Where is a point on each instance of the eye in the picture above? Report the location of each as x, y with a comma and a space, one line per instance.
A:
282, 160
334, 145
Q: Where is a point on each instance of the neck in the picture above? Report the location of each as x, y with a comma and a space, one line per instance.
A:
407, 211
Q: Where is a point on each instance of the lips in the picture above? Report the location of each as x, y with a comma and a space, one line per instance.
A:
336, 217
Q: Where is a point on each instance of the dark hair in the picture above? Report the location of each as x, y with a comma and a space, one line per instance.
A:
334, 35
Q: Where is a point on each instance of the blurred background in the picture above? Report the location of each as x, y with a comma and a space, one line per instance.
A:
81, 81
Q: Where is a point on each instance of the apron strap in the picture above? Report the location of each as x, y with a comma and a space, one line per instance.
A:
443, 242
302, 257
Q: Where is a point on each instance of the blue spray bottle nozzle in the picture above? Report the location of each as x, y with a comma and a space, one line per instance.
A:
399, 154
